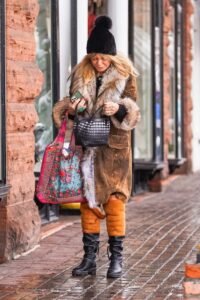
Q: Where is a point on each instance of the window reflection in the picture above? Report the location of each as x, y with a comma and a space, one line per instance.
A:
172, 89
142, 61
158, 85
95, 8
179, 80
44, 127
175, 56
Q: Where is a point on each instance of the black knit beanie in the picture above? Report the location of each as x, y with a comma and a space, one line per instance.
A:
101, 40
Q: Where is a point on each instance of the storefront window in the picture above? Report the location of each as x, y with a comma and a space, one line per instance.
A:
172, 89
44, 102
157, 61
175, 55
66, 44
95, 8
47, 58
142, 60
179, 81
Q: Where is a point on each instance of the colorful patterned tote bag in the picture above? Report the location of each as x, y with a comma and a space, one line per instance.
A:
60, 177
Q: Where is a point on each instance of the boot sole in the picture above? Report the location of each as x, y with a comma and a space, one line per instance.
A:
117, 275
83, 273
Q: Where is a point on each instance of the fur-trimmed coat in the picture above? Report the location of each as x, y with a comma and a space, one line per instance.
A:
107, 169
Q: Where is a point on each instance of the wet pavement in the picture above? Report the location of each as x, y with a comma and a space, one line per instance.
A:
162, 233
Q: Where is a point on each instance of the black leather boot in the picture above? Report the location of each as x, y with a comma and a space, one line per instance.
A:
88, 264
115, 248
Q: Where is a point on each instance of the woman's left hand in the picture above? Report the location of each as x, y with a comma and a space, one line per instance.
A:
110, 108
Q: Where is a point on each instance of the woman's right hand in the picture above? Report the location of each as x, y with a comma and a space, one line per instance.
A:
72, 106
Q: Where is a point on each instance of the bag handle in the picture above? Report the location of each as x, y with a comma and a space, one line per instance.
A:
90, 116
60, 138
98, 109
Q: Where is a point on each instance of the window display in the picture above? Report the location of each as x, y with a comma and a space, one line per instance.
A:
95, 8
142, 61
44, 128
175, 55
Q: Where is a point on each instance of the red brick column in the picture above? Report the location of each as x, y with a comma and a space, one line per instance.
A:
20, 214
188, 11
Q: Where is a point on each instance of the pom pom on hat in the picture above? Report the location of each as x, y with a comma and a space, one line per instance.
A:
101, 40
103, 21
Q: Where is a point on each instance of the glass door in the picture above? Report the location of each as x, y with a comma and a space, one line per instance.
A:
46, 61
148, 59
172, 88
146, 49
175, 50
142, 60
47, 51
179, 79
157, 69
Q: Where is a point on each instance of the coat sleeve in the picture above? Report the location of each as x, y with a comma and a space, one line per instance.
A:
59, 111
128, 99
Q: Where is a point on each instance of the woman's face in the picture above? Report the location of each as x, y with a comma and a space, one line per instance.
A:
100, 62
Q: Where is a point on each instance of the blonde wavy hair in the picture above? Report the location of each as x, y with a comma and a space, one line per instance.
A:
122, 64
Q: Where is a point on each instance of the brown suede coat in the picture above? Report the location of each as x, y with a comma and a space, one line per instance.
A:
107, 169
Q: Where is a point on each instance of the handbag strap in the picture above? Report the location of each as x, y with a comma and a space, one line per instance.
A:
98, 109
90, 116
72, 138
60, 138
72, 142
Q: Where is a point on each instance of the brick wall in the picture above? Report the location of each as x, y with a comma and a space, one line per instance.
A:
21, 226
188, 8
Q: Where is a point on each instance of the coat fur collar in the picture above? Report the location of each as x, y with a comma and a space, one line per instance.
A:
113, 84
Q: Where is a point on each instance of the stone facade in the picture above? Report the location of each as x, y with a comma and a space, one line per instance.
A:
20, 221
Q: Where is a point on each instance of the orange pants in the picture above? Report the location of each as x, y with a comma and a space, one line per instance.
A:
114, 213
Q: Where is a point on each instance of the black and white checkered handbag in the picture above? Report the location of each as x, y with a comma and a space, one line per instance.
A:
92, 131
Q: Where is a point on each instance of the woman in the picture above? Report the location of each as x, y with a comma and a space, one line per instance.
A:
108, 80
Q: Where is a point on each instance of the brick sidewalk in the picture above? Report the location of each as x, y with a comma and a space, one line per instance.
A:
162, 232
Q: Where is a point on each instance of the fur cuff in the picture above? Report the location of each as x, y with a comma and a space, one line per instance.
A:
59, 110
132, 117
